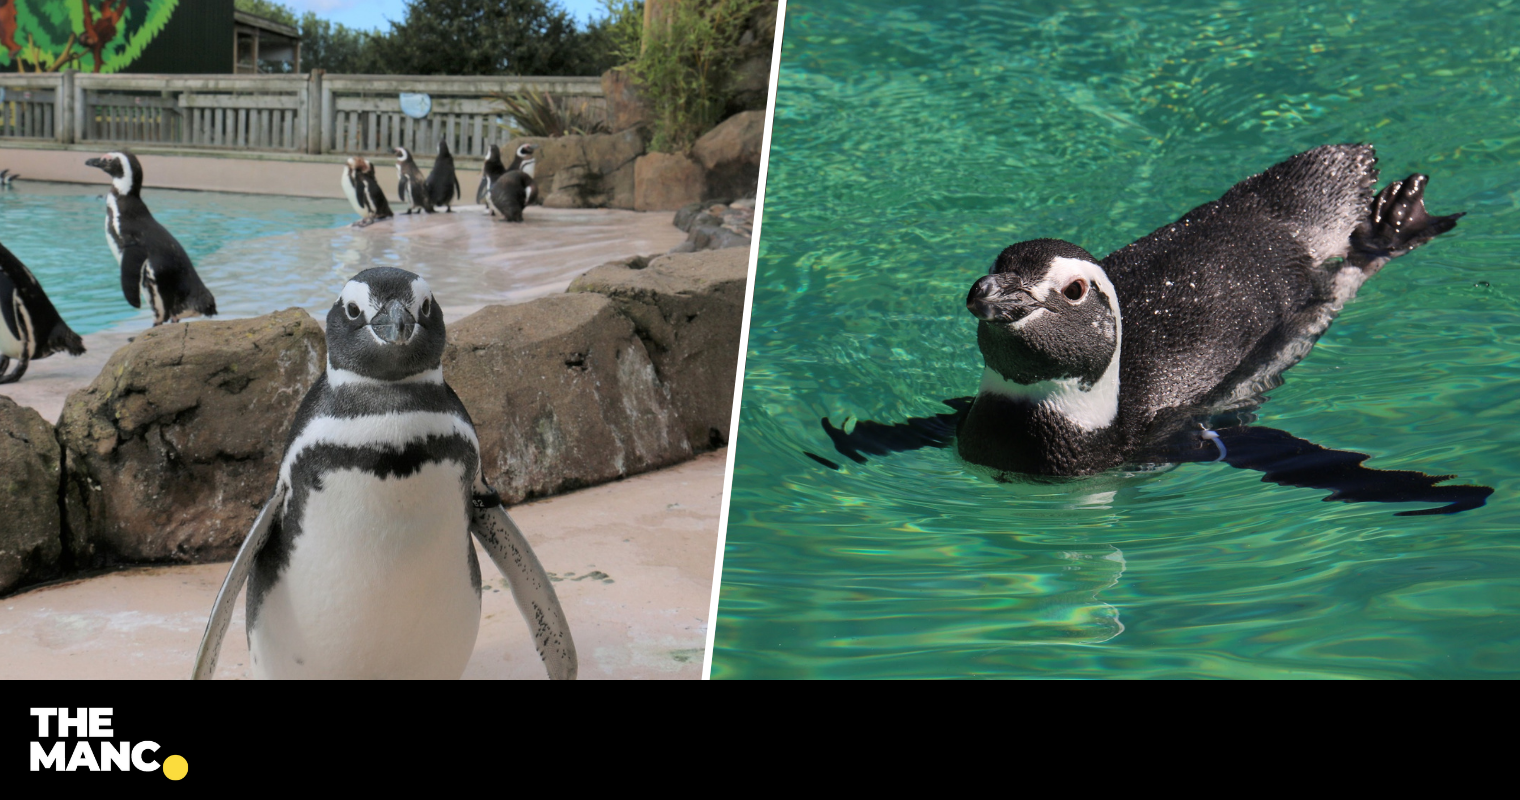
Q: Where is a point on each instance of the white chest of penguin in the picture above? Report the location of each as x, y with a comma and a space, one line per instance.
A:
378, 582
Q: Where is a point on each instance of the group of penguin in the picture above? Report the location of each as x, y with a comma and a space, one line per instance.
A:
361, 564
154, 269
505, 189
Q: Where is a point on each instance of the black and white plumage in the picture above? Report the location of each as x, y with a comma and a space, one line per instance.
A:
510, 194
154, 267
30, 327
7, 177
489, 172
442, 183
411, 186
364, 193
360, 564
1135, 359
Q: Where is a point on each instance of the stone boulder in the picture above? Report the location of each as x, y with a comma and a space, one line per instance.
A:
731, 155
563, 395
174, 448
666, 181
594, 171
688, 309
31, 534
715, 226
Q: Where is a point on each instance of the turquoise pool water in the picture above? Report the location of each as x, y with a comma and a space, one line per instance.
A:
58, 231
913, 142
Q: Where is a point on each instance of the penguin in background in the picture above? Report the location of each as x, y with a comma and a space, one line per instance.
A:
411, 186
153, 264
364, 193
30, 328
510, 194
360, 565
1159, 353
7, 177
489, 172
442, 183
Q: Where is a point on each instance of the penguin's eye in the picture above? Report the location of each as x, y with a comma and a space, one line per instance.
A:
1075, 290
353, 310
427, 306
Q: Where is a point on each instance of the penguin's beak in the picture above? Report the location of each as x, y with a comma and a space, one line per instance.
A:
989, 302
394, 324
98, 163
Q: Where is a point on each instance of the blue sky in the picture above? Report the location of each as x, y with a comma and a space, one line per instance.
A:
377, 13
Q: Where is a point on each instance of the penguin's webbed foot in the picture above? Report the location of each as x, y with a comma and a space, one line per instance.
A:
1397, 223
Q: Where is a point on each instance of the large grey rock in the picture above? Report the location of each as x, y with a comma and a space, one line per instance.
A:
31, 538
563, 395
731, 155
689, 309
173, 449
715, 226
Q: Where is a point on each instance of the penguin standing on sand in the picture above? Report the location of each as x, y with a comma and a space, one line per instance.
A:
153, 264
411, 186
30, 327
364, 193
442, 183
1159, 353
489, 172
360, 565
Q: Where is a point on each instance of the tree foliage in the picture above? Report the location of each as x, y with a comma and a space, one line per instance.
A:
685, 65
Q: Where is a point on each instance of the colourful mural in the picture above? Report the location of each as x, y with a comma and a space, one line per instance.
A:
87, 35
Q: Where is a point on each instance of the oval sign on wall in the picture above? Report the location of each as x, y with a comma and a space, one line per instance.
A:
416, 106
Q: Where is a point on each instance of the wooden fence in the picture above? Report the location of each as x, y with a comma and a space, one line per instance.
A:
305, 113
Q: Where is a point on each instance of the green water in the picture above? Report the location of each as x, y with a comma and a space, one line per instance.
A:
913, 142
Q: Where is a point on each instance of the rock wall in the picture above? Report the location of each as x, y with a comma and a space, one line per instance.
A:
688, 309
173, 449
31, 532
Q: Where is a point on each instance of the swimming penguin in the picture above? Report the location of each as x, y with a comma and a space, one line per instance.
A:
30, 327
489, 172
1159, 352
411, 187
360, 565
442, 183
7, 178
364, 193
510, 194
153, 264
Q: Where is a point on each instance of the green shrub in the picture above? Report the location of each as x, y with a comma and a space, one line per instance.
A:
684, 67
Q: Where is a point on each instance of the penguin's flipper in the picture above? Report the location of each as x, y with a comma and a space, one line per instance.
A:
132, 259
530, 586
1287, 460
221, 611
880, 438
458, 193
1397, 223
15, 376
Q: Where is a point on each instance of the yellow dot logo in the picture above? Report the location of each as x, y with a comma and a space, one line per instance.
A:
176, 767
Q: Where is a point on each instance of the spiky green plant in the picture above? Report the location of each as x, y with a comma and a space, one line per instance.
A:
540, 114
685, 64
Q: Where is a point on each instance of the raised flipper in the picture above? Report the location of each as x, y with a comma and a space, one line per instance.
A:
535, 597
221, 611
880, 439
1290, 461
1396, 224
